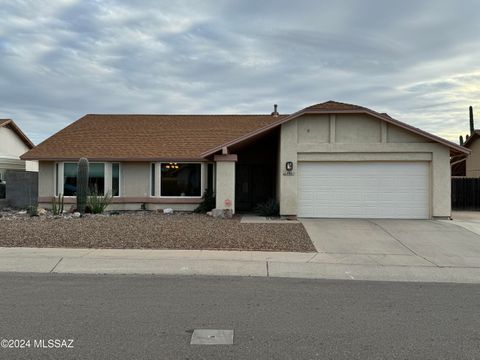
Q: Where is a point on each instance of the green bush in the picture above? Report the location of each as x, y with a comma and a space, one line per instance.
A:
268, 208
98, 203
207, 204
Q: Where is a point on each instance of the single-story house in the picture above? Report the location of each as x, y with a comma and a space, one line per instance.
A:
13, 143
327, 160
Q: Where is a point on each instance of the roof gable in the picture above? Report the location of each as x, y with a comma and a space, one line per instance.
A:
333, 107
11, 125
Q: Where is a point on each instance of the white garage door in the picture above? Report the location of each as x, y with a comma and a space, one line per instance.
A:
363, 190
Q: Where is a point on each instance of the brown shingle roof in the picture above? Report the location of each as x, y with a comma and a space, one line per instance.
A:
145, 137
11, 124
180, 137
334, 106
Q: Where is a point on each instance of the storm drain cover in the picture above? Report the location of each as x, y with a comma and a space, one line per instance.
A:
212, 337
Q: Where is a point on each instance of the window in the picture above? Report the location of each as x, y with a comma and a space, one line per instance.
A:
152, 180
96, 181
70, 179
180, 179
115, 179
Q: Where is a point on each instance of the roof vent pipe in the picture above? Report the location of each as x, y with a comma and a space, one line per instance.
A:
472, 127
461, 140
275, 112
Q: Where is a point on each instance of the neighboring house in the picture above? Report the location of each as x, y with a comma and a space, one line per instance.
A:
327, 160
13, 143
468, 165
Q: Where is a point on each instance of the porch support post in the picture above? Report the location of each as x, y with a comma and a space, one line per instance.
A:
225, 182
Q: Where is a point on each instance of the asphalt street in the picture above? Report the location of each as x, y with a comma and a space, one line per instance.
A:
153, 317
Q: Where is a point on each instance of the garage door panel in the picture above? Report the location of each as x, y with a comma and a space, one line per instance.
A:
363, 189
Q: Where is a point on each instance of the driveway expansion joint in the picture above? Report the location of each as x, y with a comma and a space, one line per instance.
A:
58, 262
313, 257
401, 243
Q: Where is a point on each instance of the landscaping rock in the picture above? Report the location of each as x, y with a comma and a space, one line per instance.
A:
150, 230
76, 214
222, 213
168, 211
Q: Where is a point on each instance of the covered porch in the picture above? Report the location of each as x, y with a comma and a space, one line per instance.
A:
246, 173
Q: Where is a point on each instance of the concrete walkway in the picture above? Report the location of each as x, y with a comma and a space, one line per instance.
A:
229, 263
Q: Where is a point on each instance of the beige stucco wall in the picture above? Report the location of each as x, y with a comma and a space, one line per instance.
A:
46, 178
356, 129
360, 138
225, 184
472, 164
31, 165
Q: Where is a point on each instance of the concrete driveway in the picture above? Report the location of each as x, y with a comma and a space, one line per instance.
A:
429, 243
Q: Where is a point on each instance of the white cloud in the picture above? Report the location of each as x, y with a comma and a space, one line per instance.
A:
59, 60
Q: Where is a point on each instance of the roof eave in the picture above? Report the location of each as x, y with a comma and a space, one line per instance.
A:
115, 159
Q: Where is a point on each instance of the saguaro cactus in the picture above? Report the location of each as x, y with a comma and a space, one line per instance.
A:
82, 185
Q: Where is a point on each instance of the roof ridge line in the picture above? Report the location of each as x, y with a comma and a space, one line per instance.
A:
136, 114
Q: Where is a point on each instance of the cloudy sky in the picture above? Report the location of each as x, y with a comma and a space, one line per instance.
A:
417, 60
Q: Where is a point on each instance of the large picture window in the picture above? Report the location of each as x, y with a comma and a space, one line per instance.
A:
180, 179
70, 179
96, 181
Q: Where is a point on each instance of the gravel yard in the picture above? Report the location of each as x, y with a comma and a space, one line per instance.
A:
151, 230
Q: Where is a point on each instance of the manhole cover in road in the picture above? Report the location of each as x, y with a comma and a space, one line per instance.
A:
212, 337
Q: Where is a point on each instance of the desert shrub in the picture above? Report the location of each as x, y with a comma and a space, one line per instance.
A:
268, 208
32, 210
207, 204
57, 205
98, 203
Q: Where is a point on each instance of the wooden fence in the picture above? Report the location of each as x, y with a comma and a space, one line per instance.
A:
465, 193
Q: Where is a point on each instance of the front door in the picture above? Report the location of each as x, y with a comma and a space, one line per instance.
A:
254, 183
